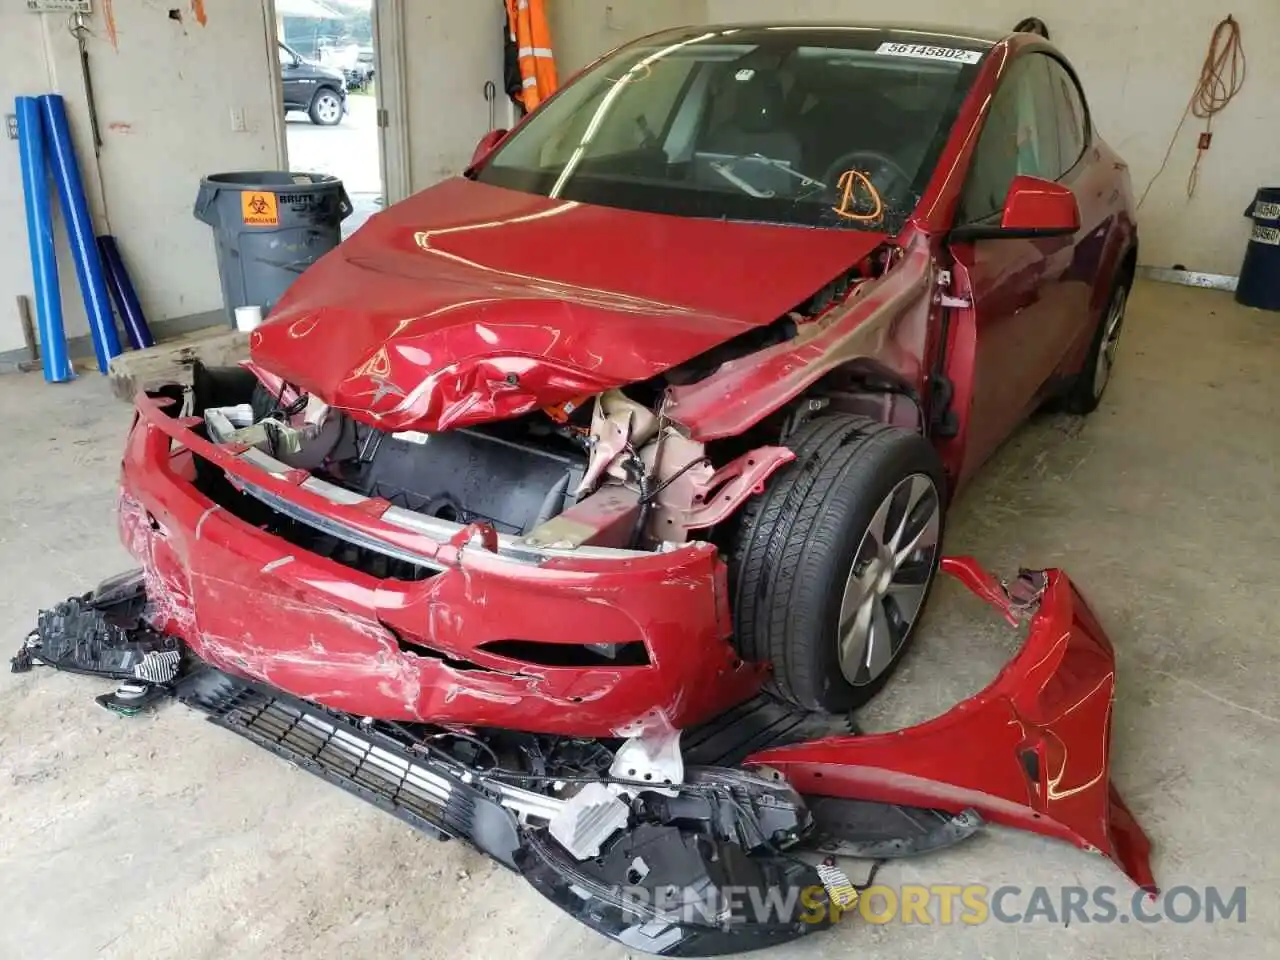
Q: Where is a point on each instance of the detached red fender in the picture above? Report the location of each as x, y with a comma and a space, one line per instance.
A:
1032, 750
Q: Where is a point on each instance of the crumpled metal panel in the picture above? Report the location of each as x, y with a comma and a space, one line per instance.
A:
469, 303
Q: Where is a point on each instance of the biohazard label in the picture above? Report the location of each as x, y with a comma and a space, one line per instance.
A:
260, 209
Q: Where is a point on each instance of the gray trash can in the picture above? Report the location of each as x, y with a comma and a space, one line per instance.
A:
269, 226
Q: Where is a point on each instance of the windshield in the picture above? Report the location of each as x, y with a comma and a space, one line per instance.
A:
817, 127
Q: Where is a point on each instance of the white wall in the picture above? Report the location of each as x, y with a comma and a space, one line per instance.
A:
452, 48
584, 29
21, 42
1139, 62
165, 92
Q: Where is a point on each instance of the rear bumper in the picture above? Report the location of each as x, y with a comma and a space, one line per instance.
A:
257, 605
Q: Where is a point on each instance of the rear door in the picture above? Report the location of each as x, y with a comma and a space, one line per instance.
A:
1097, 191
1021, 316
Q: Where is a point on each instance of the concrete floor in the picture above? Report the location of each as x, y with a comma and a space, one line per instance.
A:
165, 837
349, 150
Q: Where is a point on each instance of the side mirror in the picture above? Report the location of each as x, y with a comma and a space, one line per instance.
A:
488, 143
1033, 208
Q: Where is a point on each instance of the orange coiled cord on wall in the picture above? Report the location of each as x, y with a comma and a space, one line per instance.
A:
1221, 77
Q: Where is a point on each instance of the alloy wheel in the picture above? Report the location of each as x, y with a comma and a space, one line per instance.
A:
891, 572
328, 108
1110, 341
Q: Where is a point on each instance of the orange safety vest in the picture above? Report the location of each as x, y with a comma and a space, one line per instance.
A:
527, 23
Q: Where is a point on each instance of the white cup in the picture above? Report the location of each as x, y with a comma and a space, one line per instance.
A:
248, 318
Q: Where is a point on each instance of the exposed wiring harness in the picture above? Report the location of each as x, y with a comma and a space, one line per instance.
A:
653, 494
1221, 77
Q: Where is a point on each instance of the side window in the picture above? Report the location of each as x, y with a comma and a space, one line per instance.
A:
1073, 124
1020, 136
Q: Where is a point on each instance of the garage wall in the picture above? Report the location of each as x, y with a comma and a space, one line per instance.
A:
1139, 63
170, 94
584, 29
21, 41
452, 48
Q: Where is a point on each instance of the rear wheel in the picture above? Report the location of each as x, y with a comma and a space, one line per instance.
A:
326, 107
834, 561
1085, 392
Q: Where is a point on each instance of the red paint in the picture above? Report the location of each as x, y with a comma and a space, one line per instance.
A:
488, 143
109, 21
1037, 204
730, 486
743, 391
197, 7
426, 316
325, 632
1031, 751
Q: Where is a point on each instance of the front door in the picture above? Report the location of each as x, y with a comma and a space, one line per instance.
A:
296, 92
1022, 309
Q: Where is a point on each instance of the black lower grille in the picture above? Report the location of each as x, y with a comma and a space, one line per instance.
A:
372, 766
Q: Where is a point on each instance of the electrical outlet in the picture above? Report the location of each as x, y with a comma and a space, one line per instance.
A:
238, 124
11, 126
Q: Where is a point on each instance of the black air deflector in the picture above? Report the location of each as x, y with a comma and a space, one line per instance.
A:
465, 476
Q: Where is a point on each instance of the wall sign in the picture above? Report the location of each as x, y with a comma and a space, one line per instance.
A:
60, 6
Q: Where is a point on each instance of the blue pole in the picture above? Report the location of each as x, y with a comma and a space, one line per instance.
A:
44, 265
124, 294
84, 246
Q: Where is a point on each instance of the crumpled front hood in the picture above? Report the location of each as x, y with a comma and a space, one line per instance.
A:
469, 303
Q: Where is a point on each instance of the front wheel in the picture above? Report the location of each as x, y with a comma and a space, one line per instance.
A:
834, 561
326, 108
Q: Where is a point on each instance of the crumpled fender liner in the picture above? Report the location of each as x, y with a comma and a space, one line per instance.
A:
1030, 751
866, 830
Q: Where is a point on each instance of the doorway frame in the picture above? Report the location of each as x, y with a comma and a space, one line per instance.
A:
390, 65
272, 38
390, 61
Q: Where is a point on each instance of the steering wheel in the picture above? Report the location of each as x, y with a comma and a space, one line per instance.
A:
884, 173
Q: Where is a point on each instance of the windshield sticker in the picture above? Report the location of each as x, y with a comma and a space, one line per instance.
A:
849, 181
923, 51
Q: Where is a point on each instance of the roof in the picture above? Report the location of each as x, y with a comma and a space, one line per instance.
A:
832, 30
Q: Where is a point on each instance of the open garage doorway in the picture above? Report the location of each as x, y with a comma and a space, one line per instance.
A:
329, 86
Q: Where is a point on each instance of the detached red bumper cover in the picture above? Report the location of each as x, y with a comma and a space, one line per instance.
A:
1031, 751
